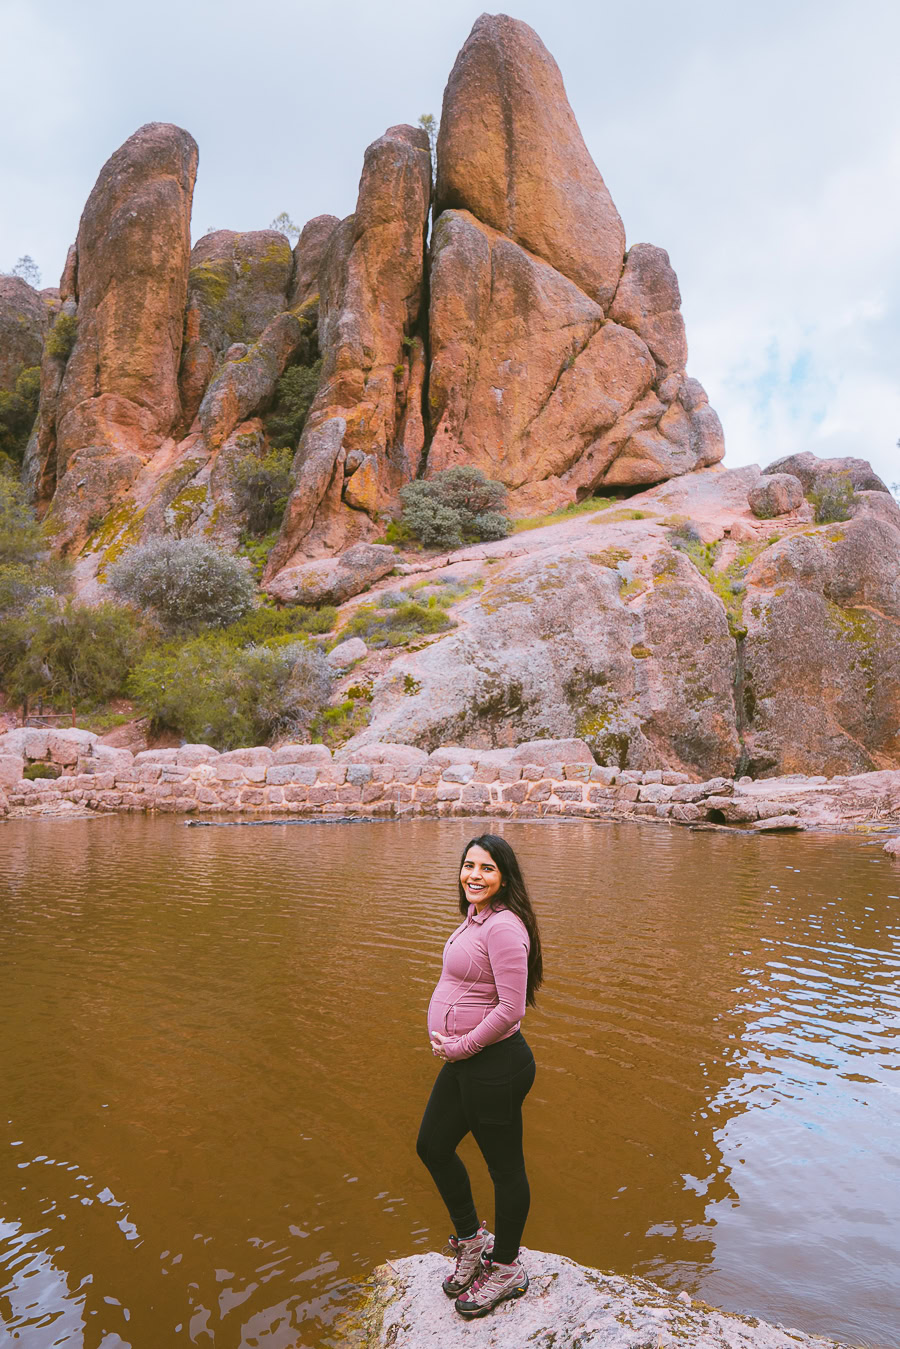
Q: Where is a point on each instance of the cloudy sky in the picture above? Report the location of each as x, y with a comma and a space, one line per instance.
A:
759, 143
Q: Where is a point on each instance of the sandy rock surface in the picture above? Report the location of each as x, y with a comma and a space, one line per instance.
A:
566, 1305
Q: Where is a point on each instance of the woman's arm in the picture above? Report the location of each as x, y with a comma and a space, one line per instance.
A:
507, 948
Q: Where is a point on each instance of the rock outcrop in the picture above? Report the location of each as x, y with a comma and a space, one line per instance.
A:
309, 254
24, 320
566, 1305
371, 289
510, 151
237, 284
118, 398
775, 494
814, 472
822, 651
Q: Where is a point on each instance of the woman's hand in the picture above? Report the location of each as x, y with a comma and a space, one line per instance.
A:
437, 1046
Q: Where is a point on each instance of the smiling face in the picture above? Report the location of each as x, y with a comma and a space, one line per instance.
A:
480, 877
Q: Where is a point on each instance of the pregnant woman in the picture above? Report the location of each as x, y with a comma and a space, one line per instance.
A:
492, 970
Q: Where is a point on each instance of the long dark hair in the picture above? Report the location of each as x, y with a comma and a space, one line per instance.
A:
513, 895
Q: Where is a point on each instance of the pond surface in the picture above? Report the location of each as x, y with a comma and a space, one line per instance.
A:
216, 1061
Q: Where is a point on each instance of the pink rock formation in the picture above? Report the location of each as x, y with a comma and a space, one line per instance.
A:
309, 254
24, 320
510, 151
118, 397
370, 297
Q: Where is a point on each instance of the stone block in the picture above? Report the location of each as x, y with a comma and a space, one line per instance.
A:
279, 774
568, 793
686, 813
630, 775
296, 793
206, 796
430, 774
577, 772
12, 766
258, 754
186, 805
655, 791
688, 792
426, 795
173, 772
630, 792
652, 775
733, 812
155, 756
189, 756
776, 822
410, 774
448, 791
540, 791
306, 754
487, 772
598, 793
459, 772
545, 752
335, 773
274, 795
446, 755
66, 746
383, 772
718, 787
358, 774
606, 775
252, 796
401, 756
674, 779
27, 741
149, 772
770, 810
372, 791
532, 772
510, 772
515, 792
349, 792
476, 792
321, 796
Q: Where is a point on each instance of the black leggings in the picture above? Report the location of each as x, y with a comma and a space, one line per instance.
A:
482, 1095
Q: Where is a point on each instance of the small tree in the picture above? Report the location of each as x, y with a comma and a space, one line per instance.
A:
455, 506
261, 488
186, 583
28, 270
18, 409
285, 225
67, 653
428, 123
295, 392
833, 498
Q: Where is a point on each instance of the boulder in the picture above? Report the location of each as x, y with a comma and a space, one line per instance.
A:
24, 320
775, 494
309, 254
531, 384
648, 300
545, 752
401, 756
567, 1305
246, 381
821, 682
118, 398
813, 471
303, 754
333, 580
510, 151
12, 766
892, 847
345, 654
237, 284
371, 291
67, 746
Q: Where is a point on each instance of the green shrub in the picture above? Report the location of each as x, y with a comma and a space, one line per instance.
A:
262, 487
395, 624
61, 338
185, 582
68, 654
211, 691
833, 499
456, 506
267, 625
295, 392
21, 538
18, 409
41, 770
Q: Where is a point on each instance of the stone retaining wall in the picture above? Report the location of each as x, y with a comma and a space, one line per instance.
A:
535, 780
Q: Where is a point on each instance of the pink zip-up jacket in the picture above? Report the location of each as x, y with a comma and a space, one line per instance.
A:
480, 996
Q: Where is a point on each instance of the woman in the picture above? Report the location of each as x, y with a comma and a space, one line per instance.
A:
492, 970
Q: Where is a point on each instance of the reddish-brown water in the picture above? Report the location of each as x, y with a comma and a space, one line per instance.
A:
215, 1062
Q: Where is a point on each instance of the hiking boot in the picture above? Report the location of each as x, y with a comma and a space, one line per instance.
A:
468, 1252
494, 1284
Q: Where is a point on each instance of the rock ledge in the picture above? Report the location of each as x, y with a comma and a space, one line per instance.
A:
567, 1305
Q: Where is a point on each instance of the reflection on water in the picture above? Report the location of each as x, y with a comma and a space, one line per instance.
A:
218, 1061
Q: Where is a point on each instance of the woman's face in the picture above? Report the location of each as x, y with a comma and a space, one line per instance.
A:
480, 877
